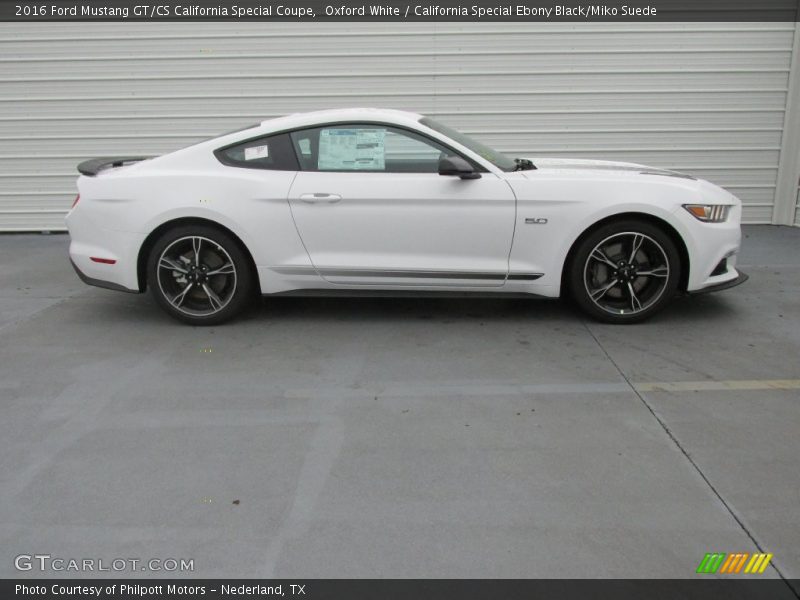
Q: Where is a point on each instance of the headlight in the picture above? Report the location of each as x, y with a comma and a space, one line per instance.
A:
709, 213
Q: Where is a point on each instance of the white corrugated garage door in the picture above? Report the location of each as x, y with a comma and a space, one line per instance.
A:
797, 202
707, 98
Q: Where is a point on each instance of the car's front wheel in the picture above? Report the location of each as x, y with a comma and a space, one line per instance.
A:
624, 272
199, 275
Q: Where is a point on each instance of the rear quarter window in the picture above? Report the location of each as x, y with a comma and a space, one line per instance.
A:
270, 153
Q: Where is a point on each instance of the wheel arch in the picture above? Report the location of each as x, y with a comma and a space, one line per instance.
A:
665, 226
150, 240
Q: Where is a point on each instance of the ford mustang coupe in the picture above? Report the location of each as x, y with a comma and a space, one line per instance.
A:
367, 201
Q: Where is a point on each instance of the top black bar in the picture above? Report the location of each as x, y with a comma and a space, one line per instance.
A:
519, 11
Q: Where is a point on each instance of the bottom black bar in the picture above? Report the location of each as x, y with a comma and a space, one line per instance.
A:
733, 588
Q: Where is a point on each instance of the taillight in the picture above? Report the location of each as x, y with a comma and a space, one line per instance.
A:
78, 197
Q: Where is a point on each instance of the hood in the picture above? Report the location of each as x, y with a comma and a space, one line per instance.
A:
599, 170
607, 166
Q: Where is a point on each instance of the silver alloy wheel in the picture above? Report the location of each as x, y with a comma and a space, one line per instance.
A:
196, 275
626, 273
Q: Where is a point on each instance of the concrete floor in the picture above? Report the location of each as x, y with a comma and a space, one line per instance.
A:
399, 438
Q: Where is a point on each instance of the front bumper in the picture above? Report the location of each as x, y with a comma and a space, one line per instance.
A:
722, 286
709, 244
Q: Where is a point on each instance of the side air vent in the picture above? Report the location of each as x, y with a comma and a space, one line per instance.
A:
721, 268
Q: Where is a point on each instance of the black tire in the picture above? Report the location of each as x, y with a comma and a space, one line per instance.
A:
613, 282
205, 278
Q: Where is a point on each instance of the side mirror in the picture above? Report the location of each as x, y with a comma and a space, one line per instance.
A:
457, 166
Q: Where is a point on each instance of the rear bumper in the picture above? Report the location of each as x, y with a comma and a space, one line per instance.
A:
109, 285
722, 286
92, 246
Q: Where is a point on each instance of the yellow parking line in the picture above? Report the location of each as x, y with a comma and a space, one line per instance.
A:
710, 386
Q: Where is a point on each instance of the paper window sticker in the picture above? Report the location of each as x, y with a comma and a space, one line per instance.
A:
256, 152
337, 149
351, 149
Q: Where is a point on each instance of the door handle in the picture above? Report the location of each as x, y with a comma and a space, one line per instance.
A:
320, 198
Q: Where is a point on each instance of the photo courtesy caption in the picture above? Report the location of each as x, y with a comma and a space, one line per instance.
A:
98, 590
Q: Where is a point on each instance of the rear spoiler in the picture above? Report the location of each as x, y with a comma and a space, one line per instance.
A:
94, 166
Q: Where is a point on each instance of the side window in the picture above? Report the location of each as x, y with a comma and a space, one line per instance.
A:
366, 148
272, 152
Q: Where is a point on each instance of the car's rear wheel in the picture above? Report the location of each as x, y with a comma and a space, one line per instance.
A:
624, 272
199, 275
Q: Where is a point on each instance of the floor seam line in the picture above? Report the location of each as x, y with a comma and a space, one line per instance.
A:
25, 318
688, 457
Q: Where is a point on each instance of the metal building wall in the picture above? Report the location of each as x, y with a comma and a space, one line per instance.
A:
707, 98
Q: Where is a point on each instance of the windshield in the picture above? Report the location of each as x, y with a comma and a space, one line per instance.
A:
498, 159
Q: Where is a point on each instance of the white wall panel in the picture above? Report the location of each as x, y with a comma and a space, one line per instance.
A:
708, 98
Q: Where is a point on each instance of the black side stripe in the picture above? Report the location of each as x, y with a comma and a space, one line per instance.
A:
524, 276
404, 274
409, 274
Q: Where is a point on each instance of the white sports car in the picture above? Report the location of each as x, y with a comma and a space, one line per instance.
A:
361, 201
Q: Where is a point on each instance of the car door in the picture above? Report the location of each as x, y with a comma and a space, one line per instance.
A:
372, 209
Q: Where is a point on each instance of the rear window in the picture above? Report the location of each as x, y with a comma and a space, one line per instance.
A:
273, 152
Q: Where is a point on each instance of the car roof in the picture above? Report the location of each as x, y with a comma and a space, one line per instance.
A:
307, 119
400, 118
